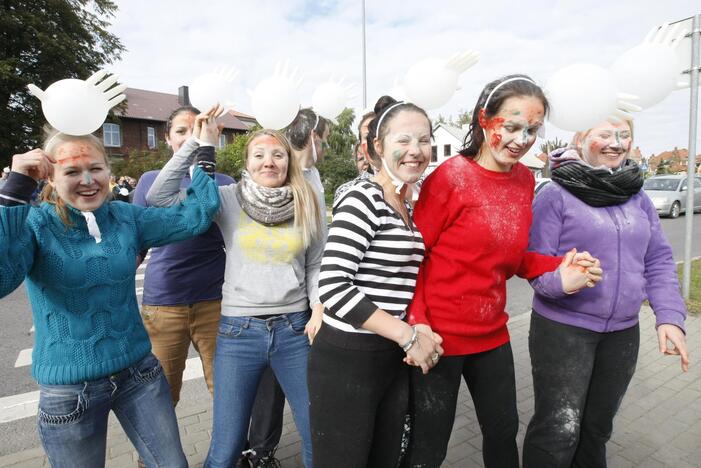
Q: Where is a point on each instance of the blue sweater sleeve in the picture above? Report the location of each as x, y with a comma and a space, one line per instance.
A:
184, 220
17, 247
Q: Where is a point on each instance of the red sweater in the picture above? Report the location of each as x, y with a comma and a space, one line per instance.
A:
475, 225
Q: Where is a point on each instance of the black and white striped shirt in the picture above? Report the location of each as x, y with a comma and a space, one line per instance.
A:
371, 260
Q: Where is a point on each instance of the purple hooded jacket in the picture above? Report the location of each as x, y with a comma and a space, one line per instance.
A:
634, 253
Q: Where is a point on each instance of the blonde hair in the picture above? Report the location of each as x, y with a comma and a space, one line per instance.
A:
306, 206
54, 140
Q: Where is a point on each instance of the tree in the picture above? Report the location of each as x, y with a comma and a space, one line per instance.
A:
42, 41
339, 165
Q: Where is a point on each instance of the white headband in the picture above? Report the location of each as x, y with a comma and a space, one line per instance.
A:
516, 78
382, 116
541, 130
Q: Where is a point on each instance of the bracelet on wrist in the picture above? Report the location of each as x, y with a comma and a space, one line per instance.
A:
407, 346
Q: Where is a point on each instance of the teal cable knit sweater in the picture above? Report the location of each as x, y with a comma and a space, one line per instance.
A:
82, 293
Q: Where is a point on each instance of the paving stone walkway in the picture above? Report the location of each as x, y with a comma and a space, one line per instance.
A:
658, 425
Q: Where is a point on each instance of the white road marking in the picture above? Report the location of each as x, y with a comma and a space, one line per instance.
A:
24, 358
25, 405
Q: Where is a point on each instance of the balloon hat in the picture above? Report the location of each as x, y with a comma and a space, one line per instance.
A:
77, 107
432, 82
275, 101
331, 97
582, 95
650, 70
214, 88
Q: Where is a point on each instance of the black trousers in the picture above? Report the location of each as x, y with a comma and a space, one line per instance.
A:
579, 379
491, 381
266, 417
358, 394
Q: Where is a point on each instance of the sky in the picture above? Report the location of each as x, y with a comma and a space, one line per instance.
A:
170, 43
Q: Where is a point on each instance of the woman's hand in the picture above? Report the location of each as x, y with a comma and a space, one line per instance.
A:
314, 324
668, 332
206, 127
579, 270
426, 351
35, 164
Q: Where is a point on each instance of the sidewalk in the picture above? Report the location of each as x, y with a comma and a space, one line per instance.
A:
658, 425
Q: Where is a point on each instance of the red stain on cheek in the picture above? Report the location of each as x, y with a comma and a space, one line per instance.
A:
595, 147
491, 125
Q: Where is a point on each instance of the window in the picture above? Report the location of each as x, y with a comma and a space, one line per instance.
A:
446, 150
151, 137
222, 141
111, 135
434, 153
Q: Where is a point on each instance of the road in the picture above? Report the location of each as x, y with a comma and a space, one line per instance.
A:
16, 340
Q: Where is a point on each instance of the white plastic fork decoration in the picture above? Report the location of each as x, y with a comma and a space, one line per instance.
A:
431, 83
331, 97
214, 88
275, 100
78, 107
650, 70
583, 95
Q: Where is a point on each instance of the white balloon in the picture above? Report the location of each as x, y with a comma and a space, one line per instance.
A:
581, 96
649, 71
209, 89
275, 102
329, 100
430, 84
74, 107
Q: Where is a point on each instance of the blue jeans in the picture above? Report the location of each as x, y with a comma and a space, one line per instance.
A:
72, 419
246, 346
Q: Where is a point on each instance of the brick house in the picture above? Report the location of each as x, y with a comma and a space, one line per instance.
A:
677, 159
141, 125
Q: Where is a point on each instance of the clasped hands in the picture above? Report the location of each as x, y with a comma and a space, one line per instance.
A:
426, 350
579, 270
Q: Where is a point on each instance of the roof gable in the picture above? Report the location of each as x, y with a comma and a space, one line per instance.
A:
152, 105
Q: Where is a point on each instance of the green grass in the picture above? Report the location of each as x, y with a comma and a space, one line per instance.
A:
694, 302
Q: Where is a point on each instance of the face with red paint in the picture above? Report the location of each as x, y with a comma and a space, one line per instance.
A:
607, 144
81, 176
511, 132
180, 130
267, 161
406, 148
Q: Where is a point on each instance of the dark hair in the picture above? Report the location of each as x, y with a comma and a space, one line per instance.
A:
299, 131
475, 137
177, 112
382, 113
367, 116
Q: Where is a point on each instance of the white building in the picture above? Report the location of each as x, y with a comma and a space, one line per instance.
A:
448, 140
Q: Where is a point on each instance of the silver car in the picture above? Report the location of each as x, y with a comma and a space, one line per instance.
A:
668, 194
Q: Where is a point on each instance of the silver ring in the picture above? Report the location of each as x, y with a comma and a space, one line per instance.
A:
435, 357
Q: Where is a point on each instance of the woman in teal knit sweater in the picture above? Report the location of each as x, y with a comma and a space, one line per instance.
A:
76, 254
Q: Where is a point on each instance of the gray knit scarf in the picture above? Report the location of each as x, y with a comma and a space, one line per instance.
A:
269, 206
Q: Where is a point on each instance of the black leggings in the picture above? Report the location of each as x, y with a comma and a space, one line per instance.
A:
579, 379
490, 379
358, 398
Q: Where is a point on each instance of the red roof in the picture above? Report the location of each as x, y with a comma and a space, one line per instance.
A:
152, 105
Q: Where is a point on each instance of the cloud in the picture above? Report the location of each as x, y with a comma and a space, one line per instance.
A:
171, 42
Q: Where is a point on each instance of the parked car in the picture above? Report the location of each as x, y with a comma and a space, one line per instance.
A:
539, 184
668, 194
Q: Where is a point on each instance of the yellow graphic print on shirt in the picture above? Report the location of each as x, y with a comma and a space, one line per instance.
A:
268, 244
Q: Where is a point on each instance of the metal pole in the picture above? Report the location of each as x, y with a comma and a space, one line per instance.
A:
691, 159
365, 84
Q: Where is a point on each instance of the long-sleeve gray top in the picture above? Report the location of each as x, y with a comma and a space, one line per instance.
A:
268, 270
